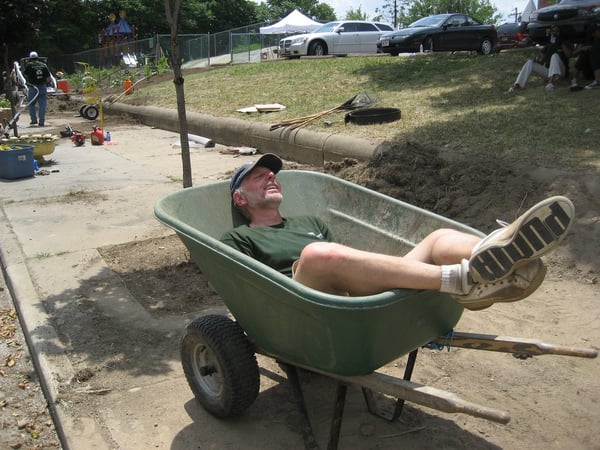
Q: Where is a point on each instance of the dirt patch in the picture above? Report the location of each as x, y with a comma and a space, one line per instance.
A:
159, 275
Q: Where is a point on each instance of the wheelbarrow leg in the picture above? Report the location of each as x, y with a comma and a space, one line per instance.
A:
375, 408
307, 433
338, 413
310, 442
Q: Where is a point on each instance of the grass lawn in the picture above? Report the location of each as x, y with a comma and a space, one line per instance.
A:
457, 102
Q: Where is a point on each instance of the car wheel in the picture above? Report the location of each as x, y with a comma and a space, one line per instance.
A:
428, 44
487, 47
394, 53
317, 48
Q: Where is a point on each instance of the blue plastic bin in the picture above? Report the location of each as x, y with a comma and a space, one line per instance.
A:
16, 162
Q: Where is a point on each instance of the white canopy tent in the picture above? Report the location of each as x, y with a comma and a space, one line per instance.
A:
294, 22
527, 12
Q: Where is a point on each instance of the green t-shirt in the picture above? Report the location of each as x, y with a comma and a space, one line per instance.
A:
280, 245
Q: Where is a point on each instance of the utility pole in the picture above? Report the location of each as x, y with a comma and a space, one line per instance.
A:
516, 14
395, 14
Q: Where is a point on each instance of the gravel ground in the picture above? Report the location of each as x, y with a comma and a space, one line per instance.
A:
25, 421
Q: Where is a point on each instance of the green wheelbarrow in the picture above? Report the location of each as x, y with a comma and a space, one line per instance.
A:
346, 338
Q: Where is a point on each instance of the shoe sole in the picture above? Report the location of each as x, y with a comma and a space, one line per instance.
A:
478, 305
534, 234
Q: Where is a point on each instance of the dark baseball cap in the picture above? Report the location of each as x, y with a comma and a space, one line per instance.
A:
268, 160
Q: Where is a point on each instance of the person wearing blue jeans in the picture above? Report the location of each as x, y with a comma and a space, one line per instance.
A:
37, 76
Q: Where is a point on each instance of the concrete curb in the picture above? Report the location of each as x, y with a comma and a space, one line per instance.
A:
41, 337
300, 145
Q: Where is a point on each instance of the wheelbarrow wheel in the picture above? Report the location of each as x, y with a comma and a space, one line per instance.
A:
220, 366
91, 112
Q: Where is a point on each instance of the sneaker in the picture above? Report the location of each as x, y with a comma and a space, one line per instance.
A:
550, 87
514, 88
532, 235
592, 85
42, 124
520, 284
33, 122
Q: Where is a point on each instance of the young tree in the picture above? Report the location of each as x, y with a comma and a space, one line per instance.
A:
356, 14
172, 13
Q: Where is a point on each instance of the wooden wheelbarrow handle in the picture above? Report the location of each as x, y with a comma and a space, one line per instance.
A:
507, 344
422, 395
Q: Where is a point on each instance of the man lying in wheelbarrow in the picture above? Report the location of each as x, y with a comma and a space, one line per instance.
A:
505, 266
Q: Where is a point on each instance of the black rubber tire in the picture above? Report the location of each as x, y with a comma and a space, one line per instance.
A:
91, 112
220, 366
486, 47
367, 116
82, 109
428, 44
317, 48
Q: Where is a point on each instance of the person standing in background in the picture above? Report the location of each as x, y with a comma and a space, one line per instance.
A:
37, 75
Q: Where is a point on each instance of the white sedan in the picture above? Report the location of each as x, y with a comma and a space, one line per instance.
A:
336, 38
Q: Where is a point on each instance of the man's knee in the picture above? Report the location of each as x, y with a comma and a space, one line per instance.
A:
317, 254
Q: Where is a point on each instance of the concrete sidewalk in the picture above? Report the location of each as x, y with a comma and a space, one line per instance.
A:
51, 229
48, 242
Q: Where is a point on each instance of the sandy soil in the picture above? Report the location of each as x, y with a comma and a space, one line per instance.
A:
553, 400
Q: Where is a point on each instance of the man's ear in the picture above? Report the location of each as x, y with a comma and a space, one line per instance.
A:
238, 199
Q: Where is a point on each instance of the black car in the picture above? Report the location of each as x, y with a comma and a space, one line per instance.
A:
574, 18
441, 32
512, 35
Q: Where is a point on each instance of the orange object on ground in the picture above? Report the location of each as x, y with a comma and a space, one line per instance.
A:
128, 86
63, 85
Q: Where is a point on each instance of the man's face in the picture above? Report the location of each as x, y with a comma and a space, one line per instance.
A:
260, 187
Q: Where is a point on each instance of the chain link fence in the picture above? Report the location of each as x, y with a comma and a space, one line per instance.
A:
236, 46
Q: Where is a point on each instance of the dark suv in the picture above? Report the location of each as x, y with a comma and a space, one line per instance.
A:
574, 18
512, 35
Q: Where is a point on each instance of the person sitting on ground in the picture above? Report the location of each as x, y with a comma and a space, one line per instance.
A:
552, 64
503, 267
587, 65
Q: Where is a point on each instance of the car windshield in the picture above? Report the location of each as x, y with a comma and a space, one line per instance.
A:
327, 27
430, 21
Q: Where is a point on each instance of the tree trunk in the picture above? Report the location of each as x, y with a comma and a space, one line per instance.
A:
172, 14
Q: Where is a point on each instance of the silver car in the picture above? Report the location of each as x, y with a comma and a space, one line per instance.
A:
335, 38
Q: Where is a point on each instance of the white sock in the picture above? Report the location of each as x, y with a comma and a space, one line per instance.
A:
455, 278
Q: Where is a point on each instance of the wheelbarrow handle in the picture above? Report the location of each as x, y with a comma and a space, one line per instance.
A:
507, 344
424, 395
416, 393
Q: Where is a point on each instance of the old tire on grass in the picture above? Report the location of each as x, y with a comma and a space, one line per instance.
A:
220, 366
368, 116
